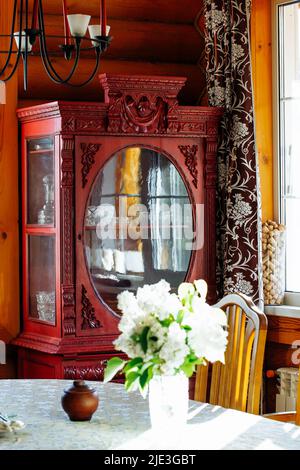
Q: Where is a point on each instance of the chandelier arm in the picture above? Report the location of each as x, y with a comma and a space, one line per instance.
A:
86, 82
2, 71
25, 53
51, 72
19, 48
44, 54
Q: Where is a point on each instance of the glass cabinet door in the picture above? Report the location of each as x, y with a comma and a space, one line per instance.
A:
41, 277
40, 231
40, 181
138, 224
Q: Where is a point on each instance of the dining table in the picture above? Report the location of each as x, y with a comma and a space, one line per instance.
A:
122, 422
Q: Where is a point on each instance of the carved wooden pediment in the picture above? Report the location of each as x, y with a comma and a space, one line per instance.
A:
140, 104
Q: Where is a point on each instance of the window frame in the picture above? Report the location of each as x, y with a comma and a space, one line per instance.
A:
291, 298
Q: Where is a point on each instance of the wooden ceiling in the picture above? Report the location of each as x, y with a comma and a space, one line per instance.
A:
149, 37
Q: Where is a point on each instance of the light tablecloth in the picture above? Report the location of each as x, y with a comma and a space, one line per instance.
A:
122, 422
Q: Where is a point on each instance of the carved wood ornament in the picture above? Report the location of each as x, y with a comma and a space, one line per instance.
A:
88, 312
87, 159
190, 153
142, 106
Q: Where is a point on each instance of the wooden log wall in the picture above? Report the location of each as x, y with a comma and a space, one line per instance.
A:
9, 241
261, 47
151, 38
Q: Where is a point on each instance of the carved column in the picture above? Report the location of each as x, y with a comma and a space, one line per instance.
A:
67, 204
210, 208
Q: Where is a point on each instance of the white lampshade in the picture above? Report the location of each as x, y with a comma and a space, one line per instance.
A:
78, 24
23, 41
95, 30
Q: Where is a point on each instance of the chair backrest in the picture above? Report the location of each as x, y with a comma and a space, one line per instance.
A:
237, 384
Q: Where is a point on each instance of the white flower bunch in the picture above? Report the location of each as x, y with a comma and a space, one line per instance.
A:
166, 334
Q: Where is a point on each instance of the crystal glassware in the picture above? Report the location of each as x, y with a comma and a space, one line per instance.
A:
46, 215
46, 306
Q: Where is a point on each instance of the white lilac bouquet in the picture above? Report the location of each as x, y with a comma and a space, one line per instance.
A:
166, 334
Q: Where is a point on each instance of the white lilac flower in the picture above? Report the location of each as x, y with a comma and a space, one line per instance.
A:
128, 304
174, 350
157, 336
207, 337
170, 343
156, 299
128, 346
185, 288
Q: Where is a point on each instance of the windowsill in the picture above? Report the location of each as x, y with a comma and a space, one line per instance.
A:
283, 311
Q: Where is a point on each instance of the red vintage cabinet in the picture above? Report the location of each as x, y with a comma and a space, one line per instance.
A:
112, 196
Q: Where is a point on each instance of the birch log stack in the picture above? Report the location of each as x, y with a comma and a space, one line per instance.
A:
273, 248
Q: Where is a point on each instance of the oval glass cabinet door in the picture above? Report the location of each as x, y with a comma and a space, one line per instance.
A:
138, 224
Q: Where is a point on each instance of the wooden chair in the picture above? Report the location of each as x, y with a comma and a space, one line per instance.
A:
288, 416
237, 384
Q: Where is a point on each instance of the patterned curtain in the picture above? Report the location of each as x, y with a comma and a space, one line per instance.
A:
229, 85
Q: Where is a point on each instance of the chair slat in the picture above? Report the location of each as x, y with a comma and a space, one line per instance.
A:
245, 367
201, 383
241, 325
215, 381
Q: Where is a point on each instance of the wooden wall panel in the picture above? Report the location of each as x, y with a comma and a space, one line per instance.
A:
261, 39
138, 40
41, 88
168, 11
9, 243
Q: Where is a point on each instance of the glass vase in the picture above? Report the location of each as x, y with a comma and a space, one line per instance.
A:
168, 402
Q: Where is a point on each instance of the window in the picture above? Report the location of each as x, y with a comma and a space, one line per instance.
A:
287, 134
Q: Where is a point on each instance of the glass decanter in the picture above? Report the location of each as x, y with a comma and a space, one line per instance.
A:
46, 215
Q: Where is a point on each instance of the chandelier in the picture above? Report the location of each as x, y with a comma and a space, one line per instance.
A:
26, 32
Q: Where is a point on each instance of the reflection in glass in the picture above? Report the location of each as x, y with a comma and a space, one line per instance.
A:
41, 275
40, 181
137, 224
289, 148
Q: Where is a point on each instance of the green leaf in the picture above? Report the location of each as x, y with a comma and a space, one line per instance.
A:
187, 328
188, 369
167, 321
131, 382
114, 365
144, 378
180, 316
133, 364
156, 360
144, 338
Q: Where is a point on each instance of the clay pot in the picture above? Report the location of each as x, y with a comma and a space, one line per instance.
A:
80, 401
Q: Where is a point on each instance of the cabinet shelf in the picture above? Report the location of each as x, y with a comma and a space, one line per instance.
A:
164, 196
94, 227
40, 151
